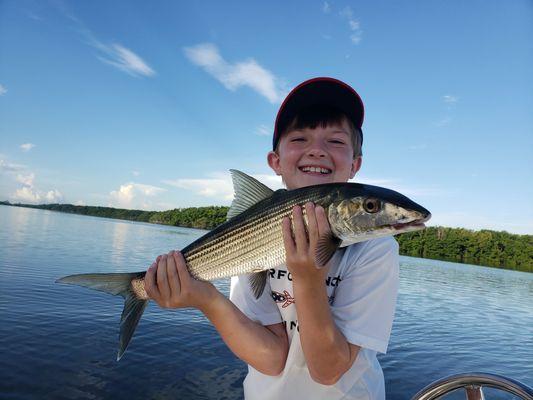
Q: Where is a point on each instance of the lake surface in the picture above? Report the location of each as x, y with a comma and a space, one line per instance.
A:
60, 341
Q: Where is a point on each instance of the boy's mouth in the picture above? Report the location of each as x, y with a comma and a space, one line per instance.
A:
315, 170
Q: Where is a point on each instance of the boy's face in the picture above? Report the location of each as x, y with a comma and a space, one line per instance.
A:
315, 156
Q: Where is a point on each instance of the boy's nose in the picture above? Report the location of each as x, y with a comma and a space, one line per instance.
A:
316, 150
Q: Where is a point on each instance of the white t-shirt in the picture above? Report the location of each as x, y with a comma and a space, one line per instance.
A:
362, 286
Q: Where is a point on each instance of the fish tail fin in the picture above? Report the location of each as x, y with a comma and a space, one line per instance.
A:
116, 284
131, 314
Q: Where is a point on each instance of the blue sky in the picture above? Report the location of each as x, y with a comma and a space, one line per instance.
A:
149, 104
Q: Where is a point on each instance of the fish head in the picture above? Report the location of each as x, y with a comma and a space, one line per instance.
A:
362, 212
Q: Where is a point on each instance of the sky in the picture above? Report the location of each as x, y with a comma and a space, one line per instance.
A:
147, 105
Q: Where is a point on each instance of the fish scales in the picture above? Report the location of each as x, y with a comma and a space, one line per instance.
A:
242, 252
254, 241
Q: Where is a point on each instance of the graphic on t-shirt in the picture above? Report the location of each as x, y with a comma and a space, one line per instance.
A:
284, 298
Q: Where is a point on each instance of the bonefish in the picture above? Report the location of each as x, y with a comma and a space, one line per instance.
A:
251, 240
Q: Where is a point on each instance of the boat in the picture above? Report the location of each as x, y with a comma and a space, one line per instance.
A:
473, 384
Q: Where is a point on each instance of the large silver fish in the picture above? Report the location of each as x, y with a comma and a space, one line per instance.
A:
251, 241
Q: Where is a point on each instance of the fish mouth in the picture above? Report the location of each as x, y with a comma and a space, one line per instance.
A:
409, 225
412, 225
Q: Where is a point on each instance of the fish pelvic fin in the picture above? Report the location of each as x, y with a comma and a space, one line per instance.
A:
327, 246
258, 283
116, 284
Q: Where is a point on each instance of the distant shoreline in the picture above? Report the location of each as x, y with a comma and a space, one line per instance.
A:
485, 247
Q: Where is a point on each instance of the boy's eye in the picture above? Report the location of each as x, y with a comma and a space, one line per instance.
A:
335, 141
297, 139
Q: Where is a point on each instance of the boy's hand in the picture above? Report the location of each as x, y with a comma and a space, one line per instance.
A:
169, 283
301, 249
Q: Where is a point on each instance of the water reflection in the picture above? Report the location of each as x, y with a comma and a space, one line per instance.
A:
60, 341
120, 238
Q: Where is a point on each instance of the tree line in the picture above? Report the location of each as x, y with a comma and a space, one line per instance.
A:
485, 247
192, 217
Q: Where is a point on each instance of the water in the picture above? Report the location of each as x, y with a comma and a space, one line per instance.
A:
60, 341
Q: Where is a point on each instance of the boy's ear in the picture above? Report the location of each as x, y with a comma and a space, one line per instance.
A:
356, 165
273, 162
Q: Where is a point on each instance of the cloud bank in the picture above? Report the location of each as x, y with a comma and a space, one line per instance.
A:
28, 193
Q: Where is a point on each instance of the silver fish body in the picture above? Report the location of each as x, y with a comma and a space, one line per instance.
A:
251, 241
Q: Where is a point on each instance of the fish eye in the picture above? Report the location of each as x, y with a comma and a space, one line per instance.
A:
372, 205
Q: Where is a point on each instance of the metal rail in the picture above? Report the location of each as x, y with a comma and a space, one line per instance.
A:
473, 384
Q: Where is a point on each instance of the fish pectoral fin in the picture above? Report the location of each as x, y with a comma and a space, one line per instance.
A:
327, 246
248, 191
258, 283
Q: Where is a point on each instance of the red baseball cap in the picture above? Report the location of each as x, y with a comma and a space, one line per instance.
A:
319, 91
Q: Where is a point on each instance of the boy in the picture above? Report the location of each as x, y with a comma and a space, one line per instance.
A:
315, 332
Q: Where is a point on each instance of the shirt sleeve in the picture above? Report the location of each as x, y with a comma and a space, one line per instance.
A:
263, 310
365, 299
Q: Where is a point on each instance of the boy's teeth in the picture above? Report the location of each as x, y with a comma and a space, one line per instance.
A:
316, 169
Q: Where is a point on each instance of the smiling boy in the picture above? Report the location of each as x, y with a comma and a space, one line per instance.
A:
315, 332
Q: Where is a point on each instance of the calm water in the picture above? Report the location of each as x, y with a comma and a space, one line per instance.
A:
59, 341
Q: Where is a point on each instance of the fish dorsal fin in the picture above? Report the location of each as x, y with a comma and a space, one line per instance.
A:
248, 191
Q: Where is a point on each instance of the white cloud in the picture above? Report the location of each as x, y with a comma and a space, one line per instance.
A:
135, 173
3, 90
449, 99
219, 185
53, 196
354, 25
26, 180
326, 8
113, 54
29, 195
124, 59
272, 181
26, 195
27, 146
80, 203
134, 195
263, 130
356, 38
233, 76
7, 167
